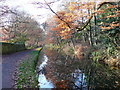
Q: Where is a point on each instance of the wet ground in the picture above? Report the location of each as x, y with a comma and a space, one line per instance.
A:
9, 64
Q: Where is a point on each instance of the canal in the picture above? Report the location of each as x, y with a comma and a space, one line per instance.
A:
57, 70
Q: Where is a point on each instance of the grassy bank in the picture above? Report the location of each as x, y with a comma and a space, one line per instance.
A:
26, 74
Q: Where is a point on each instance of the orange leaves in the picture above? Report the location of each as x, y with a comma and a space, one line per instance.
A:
105, 28
61, 13
99, 11
81, 5
76, 10
65, 33
117, 12
80, 12
111, 26
70, 15
115, 25
61, 28
71, 3
72, 6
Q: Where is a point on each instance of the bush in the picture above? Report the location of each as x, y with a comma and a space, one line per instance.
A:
12, 47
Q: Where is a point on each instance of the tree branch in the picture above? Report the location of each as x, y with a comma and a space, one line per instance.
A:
57, 15
87, 22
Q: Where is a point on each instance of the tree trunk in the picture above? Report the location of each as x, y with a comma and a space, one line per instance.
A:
90, 32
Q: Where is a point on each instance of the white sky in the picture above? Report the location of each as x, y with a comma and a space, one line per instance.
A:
28, 7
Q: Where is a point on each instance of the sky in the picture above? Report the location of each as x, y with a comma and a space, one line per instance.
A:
32, 9
40, 14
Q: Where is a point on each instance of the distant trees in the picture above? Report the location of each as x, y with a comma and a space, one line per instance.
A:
22, 28
25, 29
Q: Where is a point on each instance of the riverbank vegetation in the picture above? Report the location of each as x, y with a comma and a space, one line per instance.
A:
26, 76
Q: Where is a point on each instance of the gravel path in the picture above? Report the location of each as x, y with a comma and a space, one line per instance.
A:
9, 63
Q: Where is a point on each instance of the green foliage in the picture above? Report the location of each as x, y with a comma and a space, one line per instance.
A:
111, 50
106, 21
107, 39
71, 50
20, 39
106, 52
12, 47
52, 46
98, 55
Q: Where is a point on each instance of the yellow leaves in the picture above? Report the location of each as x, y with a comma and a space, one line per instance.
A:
103, 30
71, 3
65, 27
65, 33
71, 8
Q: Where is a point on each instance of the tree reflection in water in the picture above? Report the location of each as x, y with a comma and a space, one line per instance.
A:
65, 72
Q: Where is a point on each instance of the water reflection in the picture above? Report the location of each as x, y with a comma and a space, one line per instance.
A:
61, 71
79, 79
43, 82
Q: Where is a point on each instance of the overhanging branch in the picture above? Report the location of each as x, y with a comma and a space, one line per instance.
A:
57, 15
87, 22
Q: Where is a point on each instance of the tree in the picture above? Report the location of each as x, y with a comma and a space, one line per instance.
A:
23, 29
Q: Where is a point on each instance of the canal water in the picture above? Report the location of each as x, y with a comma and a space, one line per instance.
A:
57, 70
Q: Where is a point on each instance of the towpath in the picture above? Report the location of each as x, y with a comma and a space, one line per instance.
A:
9, 64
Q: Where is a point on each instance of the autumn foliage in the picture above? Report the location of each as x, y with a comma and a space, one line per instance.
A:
78, 13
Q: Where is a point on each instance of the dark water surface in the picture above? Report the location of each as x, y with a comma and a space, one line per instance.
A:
56, 70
